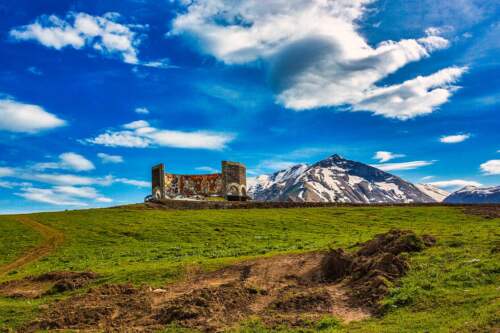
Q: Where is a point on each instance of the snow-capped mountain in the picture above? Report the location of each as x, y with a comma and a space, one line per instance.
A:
435, 193
472, 194
264, 182
335, 179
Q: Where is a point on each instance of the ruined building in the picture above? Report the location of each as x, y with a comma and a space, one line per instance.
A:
230, 184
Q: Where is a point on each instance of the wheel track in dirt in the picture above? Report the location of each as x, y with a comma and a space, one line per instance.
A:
52, 238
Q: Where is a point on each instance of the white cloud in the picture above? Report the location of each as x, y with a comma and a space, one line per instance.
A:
207, 169
455, 184
133, 182
120, 139
161, 63
433, 31
6, 184
275, 165
78, 30
403, 165
136, 124
5, 171
104, 200
316, 55
139, 134
81, 192
412, 98
384, 156
26, 118
49, 196
491, 167
35, 71
66, 179
142, 110
66, 182
63, 195
9, 184
433, 43
454, 138
68, 161
106, 158
76, 162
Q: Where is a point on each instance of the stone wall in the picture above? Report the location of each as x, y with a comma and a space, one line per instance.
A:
191, 185
230, 184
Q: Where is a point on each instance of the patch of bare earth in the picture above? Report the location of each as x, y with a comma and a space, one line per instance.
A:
283, 290
486, 211
45, 284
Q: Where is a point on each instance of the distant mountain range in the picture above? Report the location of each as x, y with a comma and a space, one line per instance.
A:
472, 194
435, 193
336, 179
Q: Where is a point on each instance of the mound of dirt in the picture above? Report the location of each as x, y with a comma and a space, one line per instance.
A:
209, 308
303, 300
45, 284
288, 290
371, 270
485, 211
108, 308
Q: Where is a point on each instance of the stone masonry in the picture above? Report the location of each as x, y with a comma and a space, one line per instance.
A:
229, 184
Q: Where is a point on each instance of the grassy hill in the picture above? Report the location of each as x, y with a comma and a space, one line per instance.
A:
451, 287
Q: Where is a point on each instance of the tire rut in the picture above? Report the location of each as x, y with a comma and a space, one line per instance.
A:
52, 238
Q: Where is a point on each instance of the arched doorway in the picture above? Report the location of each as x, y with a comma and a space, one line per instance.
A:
233, 192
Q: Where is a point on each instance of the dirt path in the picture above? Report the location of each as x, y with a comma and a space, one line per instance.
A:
52, 238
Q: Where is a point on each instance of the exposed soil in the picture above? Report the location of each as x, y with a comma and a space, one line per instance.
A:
371, 270
46, 284
52, 238
486, 211
285, 289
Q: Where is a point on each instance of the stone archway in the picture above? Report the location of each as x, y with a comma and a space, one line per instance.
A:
157, 193
233, 190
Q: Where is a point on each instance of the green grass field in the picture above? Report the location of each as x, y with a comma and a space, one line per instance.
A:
452, 287
15, 238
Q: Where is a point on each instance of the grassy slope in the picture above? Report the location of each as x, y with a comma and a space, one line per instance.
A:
15, 238
451, 287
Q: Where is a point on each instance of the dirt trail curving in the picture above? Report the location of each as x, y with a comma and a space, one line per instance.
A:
52, 238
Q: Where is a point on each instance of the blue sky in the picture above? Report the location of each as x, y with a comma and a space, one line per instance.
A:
93, 93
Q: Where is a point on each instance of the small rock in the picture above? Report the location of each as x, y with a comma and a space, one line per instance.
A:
159, 291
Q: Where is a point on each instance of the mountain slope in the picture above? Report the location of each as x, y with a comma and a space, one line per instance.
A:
336, 179
435, 193
472, 194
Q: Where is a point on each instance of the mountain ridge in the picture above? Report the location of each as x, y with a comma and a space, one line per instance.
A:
473, 194
434, 192
336, 179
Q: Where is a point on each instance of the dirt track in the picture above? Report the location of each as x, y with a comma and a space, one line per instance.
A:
290, 290
52, 238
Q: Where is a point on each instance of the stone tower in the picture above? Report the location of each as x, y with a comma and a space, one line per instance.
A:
234, 181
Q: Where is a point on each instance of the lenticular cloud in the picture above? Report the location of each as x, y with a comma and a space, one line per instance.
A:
315, 55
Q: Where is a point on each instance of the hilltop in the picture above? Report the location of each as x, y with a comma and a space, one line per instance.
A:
107, 254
